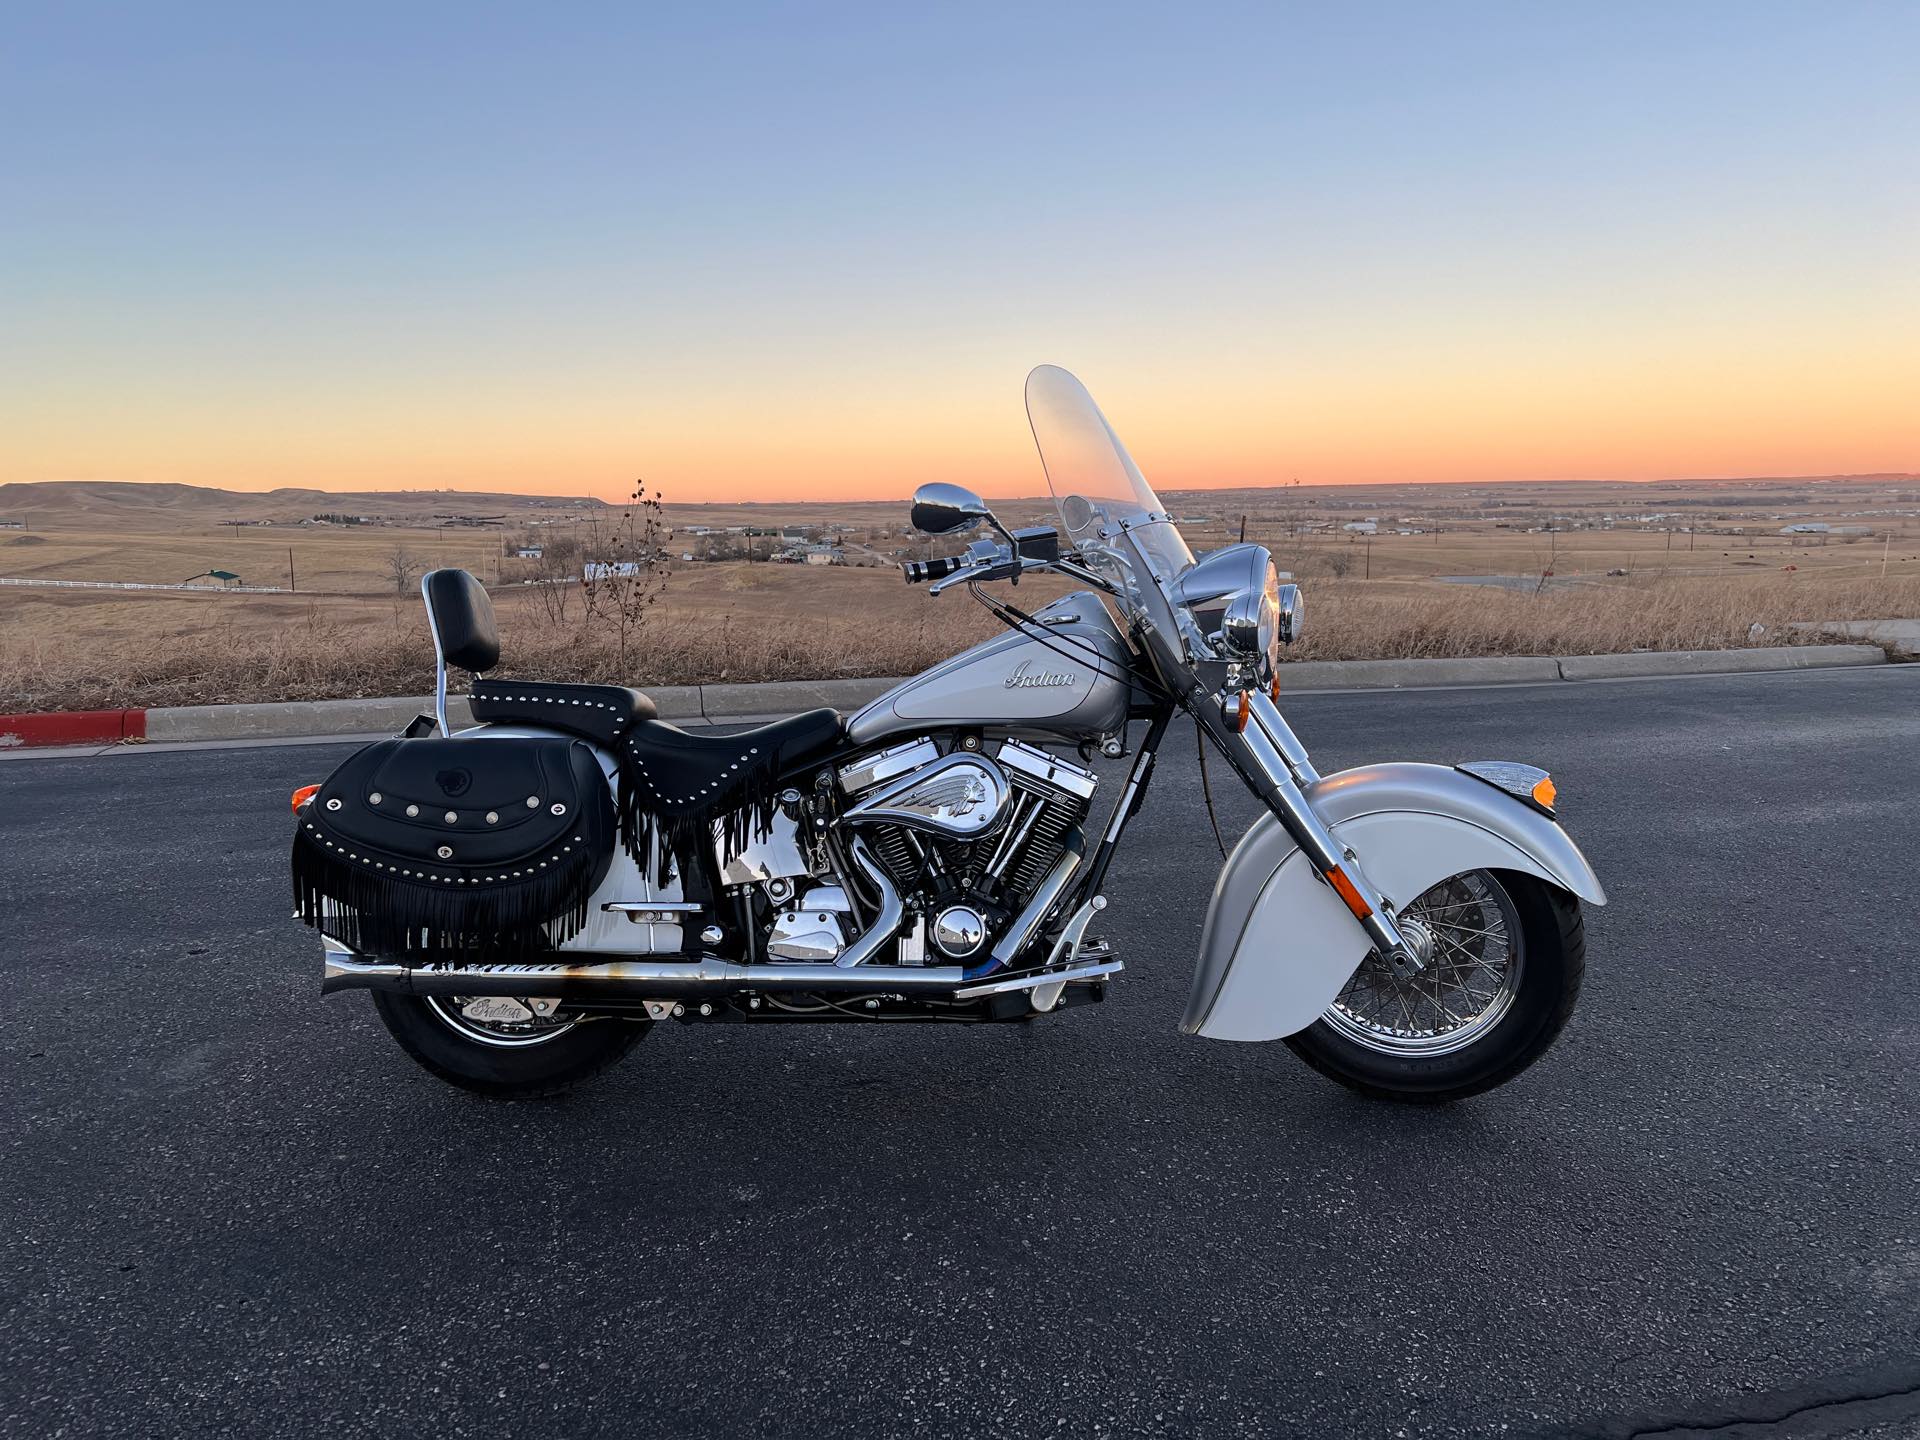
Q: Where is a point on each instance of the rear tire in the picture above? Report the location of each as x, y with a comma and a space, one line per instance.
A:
533, 1070
1550, 960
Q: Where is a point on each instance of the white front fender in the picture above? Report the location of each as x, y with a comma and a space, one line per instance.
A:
1278, 943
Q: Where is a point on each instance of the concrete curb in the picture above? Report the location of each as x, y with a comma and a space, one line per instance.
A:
1407, 674
1719, 662
696, 703
72, 727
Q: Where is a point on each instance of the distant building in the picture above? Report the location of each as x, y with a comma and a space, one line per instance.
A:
610, 569
527, 552
1362, 527
13, 524
1806, 527
825, 555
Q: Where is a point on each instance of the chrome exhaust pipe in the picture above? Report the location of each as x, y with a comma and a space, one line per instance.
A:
625, 979
1038, 908
636, 979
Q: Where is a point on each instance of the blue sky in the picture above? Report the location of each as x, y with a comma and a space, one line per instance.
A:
767, 248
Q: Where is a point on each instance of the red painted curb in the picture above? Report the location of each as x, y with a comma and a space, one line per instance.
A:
72, 727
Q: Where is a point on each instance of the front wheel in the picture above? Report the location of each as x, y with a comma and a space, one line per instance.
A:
1504, 955
504, 1048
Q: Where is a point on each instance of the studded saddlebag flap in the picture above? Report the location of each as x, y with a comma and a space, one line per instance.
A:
480, 846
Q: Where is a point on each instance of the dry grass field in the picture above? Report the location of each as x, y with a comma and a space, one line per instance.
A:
1709, 571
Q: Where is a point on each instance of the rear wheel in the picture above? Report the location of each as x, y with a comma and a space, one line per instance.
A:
504, 1048
1504, 955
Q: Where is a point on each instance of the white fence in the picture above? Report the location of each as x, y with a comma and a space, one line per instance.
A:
146, 585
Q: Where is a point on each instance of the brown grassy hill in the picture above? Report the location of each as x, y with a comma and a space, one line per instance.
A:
149, 506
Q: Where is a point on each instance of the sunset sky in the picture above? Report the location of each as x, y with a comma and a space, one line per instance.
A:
753, 252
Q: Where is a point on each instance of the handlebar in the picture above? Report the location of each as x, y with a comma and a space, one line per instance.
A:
918, 571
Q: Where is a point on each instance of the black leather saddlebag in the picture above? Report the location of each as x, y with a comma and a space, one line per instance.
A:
489, 846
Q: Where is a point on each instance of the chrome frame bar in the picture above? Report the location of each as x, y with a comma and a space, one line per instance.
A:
1016, 936
1038, 979
439, 662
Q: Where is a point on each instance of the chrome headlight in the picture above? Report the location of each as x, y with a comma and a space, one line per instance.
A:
1292, 607
1250, 628
1240, 608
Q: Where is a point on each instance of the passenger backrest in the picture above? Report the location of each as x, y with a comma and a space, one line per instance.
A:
461, 616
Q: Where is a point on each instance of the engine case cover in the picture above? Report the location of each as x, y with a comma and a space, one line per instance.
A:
963, 796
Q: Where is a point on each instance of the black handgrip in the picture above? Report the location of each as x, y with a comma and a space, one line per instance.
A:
918, 570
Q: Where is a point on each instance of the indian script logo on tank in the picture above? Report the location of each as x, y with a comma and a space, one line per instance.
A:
1025, 677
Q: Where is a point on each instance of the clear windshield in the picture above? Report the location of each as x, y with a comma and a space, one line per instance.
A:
1109, 512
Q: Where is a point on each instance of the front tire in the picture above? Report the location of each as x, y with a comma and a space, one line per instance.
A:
1506, 953
504, 1062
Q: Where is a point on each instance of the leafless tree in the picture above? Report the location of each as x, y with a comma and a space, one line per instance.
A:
405, 567
627, 571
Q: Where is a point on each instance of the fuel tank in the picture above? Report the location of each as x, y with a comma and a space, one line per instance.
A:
1015, 682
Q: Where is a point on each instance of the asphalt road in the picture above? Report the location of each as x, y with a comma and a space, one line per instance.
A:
230, 1207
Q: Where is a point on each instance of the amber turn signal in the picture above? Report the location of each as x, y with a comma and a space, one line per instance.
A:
1544, 793
1240, 715
1344, 887
303, 795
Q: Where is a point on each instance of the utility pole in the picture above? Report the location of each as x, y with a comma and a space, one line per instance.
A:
292, 584
1885, 547
1369, 574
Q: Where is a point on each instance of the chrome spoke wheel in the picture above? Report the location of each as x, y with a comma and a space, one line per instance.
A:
1467, 932
508, 1024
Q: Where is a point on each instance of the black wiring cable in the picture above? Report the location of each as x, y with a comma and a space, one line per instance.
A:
1206, 785
1019, 620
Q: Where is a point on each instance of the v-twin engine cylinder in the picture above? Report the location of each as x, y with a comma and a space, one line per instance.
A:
966, 836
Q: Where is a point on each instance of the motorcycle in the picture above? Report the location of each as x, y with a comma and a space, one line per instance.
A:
527, 897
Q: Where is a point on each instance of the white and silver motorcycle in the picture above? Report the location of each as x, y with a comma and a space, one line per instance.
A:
526, 898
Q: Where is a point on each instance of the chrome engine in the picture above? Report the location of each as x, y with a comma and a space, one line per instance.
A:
966, 837
941, 848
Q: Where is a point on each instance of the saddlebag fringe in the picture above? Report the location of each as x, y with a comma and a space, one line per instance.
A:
674, 836
488, 846
381, 908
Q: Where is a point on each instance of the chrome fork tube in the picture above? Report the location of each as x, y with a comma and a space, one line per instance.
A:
1279, 757
1279, 734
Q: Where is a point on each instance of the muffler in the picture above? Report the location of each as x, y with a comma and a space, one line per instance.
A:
625, 979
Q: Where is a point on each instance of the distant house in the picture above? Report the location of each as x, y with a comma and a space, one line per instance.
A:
610, 569
527, 552
1362, 527
825, 555
13, 524
1806, 527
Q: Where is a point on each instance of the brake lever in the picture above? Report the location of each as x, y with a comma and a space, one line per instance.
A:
959, 577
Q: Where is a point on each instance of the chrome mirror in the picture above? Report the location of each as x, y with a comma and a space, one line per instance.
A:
943, 509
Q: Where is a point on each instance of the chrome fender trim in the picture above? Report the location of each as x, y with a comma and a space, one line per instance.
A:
1278, 944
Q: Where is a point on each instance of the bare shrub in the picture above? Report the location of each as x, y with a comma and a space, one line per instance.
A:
403, 567
625, 575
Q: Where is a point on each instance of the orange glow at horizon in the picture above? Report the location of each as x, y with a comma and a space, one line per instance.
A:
875, 438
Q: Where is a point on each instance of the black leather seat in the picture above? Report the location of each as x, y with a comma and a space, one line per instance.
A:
606, 713
676, 772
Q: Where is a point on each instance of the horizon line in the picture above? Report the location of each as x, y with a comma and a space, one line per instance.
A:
1804, 479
